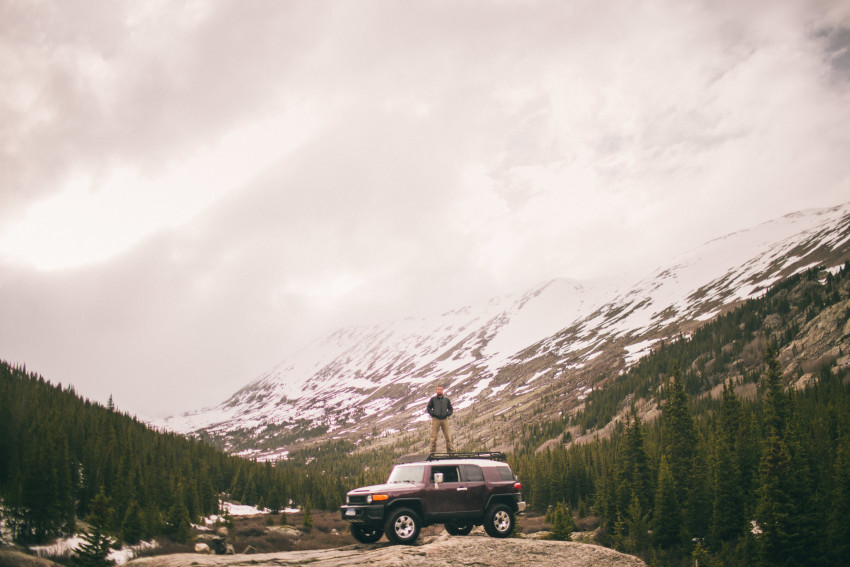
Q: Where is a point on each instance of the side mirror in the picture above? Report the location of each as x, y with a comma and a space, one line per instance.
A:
438, 478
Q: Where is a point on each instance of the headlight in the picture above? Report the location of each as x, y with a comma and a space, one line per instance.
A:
347, 499
369, 499
377, 498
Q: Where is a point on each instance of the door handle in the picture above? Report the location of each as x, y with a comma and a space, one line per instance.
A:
461, 488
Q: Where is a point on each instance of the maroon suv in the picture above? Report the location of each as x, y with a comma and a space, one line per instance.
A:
460, 490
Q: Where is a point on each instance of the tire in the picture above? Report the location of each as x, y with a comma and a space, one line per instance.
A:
458, 529
499, 521
403, 526
366, 534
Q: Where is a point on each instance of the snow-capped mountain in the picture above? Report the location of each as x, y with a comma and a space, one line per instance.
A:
500, 357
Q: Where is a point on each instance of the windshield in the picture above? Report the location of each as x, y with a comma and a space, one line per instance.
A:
412, 473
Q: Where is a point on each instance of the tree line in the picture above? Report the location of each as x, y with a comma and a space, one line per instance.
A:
756, 474
59, 453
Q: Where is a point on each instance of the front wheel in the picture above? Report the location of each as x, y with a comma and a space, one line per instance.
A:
403, 526
365, 534
458, 529
499, 521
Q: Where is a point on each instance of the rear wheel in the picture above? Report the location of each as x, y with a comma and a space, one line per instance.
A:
365, 534
499, 521
403, 526
459, 529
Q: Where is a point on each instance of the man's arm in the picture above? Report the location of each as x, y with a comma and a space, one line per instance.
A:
431, 407
449, 406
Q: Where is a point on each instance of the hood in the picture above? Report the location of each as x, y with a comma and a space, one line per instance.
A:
376, 488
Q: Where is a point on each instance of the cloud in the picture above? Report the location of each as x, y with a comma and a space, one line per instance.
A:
119, 208
213, 182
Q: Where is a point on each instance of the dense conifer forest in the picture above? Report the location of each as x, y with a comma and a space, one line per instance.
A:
733, 468
60, 453
756, 474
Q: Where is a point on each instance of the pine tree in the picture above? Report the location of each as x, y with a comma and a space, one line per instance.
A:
582, 508
274, 501
775, 508
563, 524
667, 519
541, 481
807, 516
39, 517
619, 534
65, 504
152, 520
838, 528
606, 500
250, 496
749, 448
307, 520
635, 475
179, 525
94, 549
209, 496
728, 517
699, 504
747, 550
193, 497
777, 405
703, 557
678, 435
637, 526
132, 528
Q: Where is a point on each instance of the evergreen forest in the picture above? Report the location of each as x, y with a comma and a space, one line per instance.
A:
739, 469
63, 458
733, 467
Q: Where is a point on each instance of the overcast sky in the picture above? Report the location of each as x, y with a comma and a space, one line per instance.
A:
191, 190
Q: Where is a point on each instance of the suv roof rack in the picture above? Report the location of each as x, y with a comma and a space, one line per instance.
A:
491, 455
419, 457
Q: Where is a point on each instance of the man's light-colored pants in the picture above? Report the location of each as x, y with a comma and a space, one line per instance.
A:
436, 426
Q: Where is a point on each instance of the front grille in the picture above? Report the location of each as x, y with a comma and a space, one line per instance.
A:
360, 499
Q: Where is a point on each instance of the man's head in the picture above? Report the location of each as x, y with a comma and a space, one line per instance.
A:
439, 390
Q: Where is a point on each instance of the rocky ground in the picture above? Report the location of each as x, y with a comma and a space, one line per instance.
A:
431, 551
14, 558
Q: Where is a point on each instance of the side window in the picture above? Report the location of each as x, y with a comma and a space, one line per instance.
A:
449, 473
471, 473
505, 473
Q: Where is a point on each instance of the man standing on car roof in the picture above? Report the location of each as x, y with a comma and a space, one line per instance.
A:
440, 408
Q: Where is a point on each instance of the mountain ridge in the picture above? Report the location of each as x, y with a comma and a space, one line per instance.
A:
372, 381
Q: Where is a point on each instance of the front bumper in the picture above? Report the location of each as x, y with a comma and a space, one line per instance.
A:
363, 513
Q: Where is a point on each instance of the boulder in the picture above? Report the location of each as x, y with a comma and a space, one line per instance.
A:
220, 545
202, 548
286, 531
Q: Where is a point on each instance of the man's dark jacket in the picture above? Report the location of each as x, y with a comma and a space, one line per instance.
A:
440, 407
